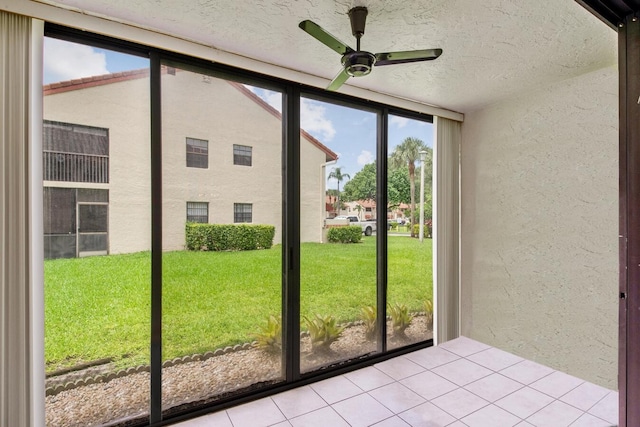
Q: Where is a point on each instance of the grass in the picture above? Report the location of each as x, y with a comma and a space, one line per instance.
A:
99, 307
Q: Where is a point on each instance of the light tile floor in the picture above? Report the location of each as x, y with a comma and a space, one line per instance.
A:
459, 383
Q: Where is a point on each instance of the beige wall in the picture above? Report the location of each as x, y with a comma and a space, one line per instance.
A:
196, 107
123, 108
540, 226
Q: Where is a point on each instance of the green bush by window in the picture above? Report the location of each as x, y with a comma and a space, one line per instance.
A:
349, 234
228, 237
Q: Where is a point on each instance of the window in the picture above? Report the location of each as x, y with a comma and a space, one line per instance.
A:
75, 153
290, 183
197, 153
241, 155
242, 212
198, 212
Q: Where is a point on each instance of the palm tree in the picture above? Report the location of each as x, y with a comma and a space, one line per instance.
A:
358, 207
406, 154
336, 173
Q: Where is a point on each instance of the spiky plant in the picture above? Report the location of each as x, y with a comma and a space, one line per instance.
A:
368, 315
400, 319
322, 331
270, 336
428, 310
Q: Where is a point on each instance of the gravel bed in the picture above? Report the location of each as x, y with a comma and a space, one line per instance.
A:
101, 403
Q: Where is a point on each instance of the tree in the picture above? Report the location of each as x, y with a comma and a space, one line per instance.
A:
359, 209
398, 187
362, 186
406, 154
336, 173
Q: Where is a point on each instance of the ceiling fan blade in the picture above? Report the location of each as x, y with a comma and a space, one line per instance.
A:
338, 80
324, 37
388, 58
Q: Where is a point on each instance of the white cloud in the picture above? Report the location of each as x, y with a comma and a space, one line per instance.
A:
270, 97
67, 61
274, 99
400, 122
313, 120
312, 114
365, 158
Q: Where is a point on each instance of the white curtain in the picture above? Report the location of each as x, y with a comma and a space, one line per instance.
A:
21, 364
446, 210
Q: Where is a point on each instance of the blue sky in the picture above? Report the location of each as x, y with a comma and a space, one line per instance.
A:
349, 132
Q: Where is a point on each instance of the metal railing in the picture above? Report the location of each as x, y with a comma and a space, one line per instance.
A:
72, 167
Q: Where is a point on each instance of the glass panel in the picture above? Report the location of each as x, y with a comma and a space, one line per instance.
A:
241, 155
89, 195
197, 153
75, 153
338, 243
92, 218
223, 292
92, 243
60, 215
97, 309
198, 212
409, 258
59, 246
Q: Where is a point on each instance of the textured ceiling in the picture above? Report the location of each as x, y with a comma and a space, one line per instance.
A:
492, 48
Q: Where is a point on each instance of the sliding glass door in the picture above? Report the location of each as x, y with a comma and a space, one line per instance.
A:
409, 248
97, 234
212, 234
221, 237
338, 279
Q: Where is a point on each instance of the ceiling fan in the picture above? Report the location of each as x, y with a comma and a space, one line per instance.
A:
357, 63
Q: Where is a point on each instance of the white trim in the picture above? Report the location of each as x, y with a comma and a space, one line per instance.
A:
36, 228
104, 25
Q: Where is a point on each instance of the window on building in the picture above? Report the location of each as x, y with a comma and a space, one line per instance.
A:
75, 153
241, 155
198, 212
242, 212
197, 153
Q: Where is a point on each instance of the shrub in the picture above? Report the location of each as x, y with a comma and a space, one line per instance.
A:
400, 319
428, 309
368, 315
323, 331
228, 237
349, 234
270, 336
426, 231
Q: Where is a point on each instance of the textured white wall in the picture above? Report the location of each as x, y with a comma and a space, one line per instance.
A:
540, 225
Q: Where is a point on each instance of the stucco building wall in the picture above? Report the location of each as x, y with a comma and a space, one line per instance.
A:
123, 109
539, 196
199, 107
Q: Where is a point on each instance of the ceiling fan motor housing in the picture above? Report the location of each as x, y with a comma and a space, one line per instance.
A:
358, 64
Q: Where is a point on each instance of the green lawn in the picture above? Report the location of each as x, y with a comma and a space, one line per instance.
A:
100, 306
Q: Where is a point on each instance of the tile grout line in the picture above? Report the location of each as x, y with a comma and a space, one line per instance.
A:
330, 405
276, 404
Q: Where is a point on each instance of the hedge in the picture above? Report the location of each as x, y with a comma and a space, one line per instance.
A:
228, 237
349, 234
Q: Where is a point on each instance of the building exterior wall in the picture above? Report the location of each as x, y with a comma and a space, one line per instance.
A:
539, 236
123, 108
196, 107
